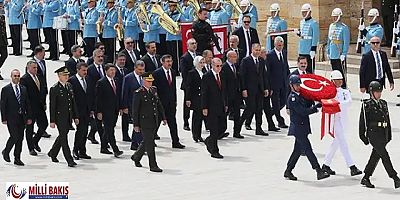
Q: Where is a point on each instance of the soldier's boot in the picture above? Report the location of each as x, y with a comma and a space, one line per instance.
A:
366, 182
328, 170
354, 171
321, 174
289, 175
396, 182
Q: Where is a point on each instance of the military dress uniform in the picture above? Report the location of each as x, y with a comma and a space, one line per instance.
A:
309, 38
174, 42
131, 24
91, 15
3, 41
373, 30
338, 46
275, 24
73, 12
220, 16
252, 12
109, 34
15, 21
154, 27
34, 23
51, 9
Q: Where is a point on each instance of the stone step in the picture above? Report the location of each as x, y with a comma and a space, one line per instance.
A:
356, 60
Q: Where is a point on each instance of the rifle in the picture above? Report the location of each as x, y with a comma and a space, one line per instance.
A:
360, 37
393, 49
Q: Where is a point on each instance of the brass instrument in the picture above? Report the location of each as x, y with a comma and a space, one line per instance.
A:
119, 28
99, 24
142, 17
179, 8
165, 21
235, 6
195, 4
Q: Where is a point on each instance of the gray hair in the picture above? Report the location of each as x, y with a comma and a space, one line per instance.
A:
197, 60
235, 37
96, 51
279, 39
29, 63
75, 47
189, 41
139, 63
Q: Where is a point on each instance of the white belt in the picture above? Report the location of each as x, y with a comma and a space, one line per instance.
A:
306, 37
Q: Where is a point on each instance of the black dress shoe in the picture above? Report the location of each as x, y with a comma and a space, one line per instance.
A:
321, 174
157, 137
196, 140
238, 136
223, 135
134, 147
289, 175
18, 162
186, 128
396, 180
72, 164
283, 126
75, 155
274, 129
217, 156
178, 146
6, 157
32, 153
93, 141
53, 159
1, 77
155, 169
201, 139
105, 151
137, 162
328, 170
84, 156
367, 183
262, 133
354, 171
118, 154
248, 127
37, 148
398, 95
46, 135
397, 104
127, 139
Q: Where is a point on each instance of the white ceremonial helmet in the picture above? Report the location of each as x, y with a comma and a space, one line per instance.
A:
337, 12
306, 8
275, 8
336, 75
244, 3
373, 13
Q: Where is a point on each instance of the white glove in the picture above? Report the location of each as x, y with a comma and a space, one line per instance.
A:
297, 31
361, 27
396, 31
312, 54
342, 57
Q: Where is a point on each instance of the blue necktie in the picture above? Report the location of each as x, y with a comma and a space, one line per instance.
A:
379, 65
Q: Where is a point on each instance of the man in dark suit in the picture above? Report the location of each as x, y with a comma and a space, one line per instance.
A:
15, 113
247, 36
278, 77
96, 72
165, 81
214, 107
131, 54
233, 46
37, 92
131, 83
62, 110
98, 45
186, 64
151, 59
255, 86
107, 108
230, 73
375, 67
301, 67
119, 78
84, 96
74, 59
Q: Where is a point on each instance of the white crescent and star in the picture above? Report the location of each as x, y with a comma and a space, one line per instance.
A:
322, 83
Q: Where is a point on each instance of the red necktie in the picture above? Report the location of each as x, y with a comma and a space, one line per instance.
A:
169, 78
218, 81
113, 86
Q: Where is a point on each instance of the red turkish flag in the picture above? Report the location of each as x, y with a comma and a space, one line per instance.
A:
316, 88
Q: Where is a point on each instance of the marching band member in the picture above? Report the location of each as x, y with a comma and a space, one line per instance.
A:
374, 29
15, 21
188, 10
34, 23
219, 15
3, 37
51, 9
275, 24
153, 33
91, 15
101, 6
131, 24
162, 45
109, 34
72, 14
309, 36
338, 42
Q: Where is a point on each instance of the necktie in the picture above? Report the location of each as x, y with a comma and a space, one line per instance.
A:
36, 82
237, 53
249, 40
41, 66
84, 84
155, 61
218, 81
113, 86
169, 78
257, 65
132, 56
18, 94
280, 57
100, 71
122, 72
379, 65
234, 69
304, 72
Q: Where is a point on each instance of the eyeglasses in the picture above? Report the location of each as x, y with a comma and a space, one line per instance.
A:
99, 56
375, 43
217, 65
246, 22
102, 48
16, 76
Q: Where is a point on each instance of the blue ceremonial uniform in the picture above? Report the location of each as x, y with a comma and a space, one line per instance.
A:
34, 13
371, 31
254, 16
73, 11
177, 17
253, 22
101, 6
338, 40
309, 36
228, 9
110, 19
91, 15
218, 17
275, 24
131, 24
122, 3
14, 8
188, 12
153, 34
51, 8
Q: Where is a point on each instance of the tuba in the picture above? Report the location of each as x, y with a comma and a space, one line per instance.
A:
142, 17
195, 4
119, 28
165, 21
235, 6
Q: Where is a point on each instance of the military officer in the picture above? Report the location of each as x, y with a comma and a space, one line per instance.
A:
51, 9
62, 111
72, 14
3, 37
131, 24
300, 109
338, 42
309, 37
375, 128
275, 24
91, 15
147, 111
34, 23
109, 34
374, 29
153, 27
15, 21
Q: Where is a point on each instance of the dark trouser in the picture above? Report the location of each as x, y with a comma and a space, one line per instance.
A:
53, 42
379, 152
34, 38
121, 45
148, 146
125, 126
197, 119
62, 142
3, 55
234, 108
278, 100
186, 112
71, 40
89, 48
268, 112
337, 65
170, 113
109, 44
162, 46
16, 38
302, 144
174, 48
40, 119
254, 106
80, 135
64, 39
109, 135
16, 130
95, 126
142, 45
216, 126
310, 67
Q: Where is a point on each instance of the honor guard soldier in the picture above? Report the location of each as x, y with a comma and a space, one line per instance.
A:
91, 15
248, 9
34, 23
15, 21
338, 43
300, 109
72, 14
374, 29
275, 24
3, 37
51, 9
375, 128
147, 113
131, 24
309, 37
109, 34
219, 16
62, 111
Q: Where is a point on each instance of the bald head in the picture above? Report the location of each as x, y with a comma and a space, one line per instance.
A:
375, 43
232, 56
216, 64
